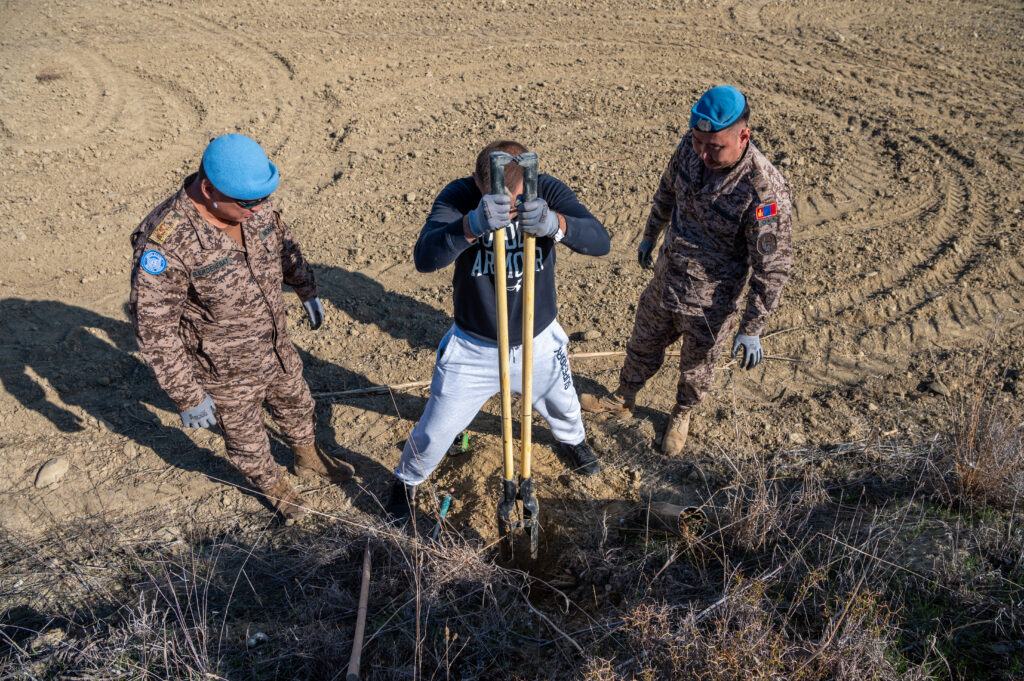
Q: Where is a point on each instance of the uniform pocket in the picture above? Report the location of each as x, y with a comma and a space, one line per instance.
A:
443, 353
559, 335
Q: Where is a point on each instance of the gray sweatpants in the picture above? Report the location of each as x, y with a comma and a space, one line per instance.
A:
466, 376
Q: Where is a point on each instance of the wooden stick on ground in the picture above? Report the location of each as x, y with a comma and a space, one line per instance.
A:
374, 390
357, 638
670, 353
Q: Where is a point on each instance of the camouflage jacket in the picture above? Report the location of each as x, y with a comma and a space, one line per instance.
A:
724, 229
205, 308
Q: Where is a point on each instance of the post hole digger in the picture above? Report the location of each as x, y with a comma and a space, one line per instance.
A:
512, 516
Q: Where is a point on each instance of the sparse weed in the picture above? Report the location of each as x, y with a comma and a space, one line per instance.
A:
987, 439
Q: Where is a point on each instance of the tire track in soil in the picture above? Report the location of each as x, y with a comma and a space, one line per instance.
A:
112, 99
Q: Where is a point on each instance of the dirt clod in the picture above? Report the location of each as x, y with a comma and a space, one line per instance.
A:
51, 472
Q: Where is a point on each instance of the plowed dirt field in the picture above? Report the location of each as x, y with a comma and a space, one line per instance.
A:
898, 125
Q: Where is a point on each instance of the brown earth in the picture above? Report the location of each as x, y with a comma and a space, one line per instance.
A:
898, 125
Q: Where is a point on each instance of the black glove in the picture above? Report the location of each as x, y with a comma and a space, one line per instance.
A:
645, 254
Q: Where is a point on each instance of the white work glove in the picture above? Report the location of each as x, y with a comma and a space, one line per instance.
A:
315, 310
491, 214
538, 219
201, 416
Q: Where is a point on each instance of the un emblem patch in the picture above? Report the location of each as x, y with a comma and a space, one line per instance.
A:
153, 262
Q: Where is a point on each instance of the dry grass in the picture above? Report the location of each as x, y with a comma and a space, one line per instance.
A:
987, 439
864, 561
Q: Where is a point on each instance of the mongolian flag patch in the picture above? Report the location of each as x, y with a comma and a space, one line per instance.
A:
768, 210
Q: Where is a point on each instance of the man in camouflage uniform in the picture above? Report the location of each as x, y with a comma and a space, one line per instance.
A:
209, 315
728, 213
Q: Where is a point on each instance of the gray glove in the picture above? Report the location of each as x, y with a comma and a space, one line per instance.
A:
315, 310
752, 352
538, 219
201, 416
492, 213
645, 254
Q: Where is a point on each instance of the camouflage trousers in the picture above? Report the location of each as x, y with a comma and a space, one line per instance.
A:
240, 417
655, 328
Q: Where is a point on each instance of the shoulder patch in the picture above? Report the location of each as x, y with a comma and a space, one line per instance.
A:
766, 244
166, 226
766, 211
153, 262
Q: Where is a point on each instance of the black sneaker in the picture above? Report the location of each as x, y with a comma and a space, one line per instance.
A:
581, 458
399, 506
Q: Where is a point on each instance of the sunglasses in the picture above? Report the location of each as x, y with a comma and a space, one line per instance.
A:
250, 203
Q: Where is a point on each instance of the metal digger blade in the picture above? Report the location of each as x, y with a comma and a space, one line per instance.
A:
531, 515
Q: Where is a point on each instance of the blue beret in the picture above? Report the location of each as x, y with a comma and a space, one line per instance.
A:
238, 167
717, 109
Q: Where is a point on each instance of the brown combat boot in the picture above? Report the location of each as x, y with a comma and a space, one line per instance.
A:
678, 428
286, 500
619, 402
310, 461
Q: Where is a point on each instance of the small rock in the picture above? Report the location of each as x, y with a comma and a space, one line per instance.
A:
591, 334
131, 450
20, 236
168, 534
410, 197
797, 439
785, 161
259, 638
938, 387
51, 472
872, 406
47, 639
417, 154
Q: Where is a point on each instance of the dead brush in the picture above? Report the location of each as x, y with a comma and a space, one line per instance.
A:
759, 507
986, 452
745, 638
260, 603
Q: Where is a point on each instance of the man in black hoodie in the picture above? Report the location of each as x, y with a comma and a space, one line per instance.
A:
460, 228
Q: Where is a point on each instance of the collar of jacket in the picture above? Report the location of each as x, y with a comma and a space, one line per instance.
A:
208, 235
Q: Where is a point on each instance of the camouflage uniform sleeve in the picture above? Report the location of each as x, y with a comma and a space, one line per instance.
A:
157, 304
664, 200
770, 247
297, 271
